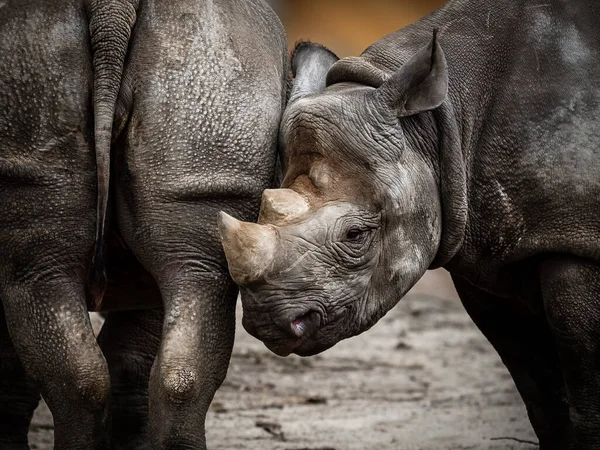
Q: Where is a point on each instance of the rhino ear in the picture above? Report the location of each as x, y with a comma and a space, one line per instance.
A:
419, 85
310, 64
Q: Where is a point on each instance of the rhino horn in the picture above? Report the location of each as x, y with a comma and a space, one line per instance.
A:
249, 248
280, 205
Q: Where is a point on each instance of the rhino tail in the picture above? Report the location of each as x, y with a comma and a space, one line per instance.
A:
110, 26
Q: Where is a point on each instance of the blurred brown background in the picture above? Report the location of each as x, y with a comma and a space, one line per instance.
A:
348, 27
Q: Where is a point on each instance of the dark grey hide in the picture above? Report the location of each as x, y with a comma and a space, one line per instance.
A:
196, 90
477, 150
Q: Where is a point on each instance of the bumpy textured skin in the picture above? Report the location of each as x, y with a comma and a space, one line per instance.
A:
195, 131
18, 394
514, 155
47, 221
203, 92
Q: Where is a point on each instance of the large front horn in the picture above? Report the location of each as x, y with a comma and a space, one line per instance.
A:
249, 248
281, 205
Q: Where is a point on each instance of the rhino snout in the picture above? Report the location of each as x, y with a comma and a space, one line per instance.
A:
283, 333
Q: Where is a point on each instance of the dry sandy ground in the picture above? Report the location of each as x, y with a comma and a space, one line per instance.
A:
423, 378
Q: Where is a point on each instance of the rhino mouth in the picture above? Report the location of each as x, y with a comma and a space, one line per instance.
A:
292, 333
300, 347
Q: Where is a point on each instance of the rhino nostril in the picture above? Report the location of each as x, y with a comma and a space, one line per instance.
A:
299, 326
304, 324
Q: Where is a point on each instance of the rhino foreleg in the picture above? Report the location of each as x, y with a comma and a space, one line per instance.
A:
526, 346
571, 291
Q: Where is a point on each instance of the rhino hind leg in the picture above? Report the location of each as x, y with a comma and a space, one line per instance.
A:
187, 372
18, 395
129, 341
52, 333
526, 346
47, 214
571, 292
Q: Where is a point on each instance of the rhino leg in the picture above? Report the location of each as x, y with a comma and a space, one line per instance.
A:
527, 348
18, 395
129, 341
571, 292
199, 319
51, 331
193, 359
48, 191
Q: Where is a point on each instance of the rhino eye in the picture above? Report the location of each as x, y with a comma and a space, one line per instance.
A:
356, 235
355, 241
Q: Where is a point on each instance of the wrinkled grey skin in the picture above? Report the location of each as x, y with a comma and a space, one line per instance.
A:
196, 89
479, 153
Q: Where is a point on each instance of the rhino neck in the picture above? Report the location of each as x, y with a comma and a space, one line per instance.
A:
435, 136
452, 179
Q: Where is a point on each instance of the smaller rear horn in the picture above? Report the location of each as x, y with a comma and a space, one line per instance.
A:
281, 205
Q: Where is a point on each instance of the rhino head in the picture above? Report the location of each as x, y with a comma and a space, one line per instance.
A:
358, 220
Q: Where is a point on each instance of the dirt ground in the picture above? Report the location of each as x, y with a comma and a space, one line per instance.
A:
423, 378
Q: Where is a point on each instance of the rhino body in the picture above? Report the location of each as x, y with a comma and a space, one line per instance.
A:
474, 147
190, 93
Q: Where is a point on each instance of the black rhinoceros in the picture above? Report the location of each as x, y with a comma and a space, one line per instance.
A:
195, 91
476, 149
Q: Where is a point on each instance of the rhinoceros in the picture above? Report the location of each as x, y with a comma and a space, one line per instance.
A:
469, 140
185, 98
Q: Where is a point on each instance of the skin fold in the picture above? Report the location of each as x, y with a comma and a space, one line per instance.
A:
124, 128
468, 141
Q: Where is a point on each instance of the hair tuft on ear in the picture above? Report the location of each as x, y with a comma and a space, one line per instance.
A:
310, 64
